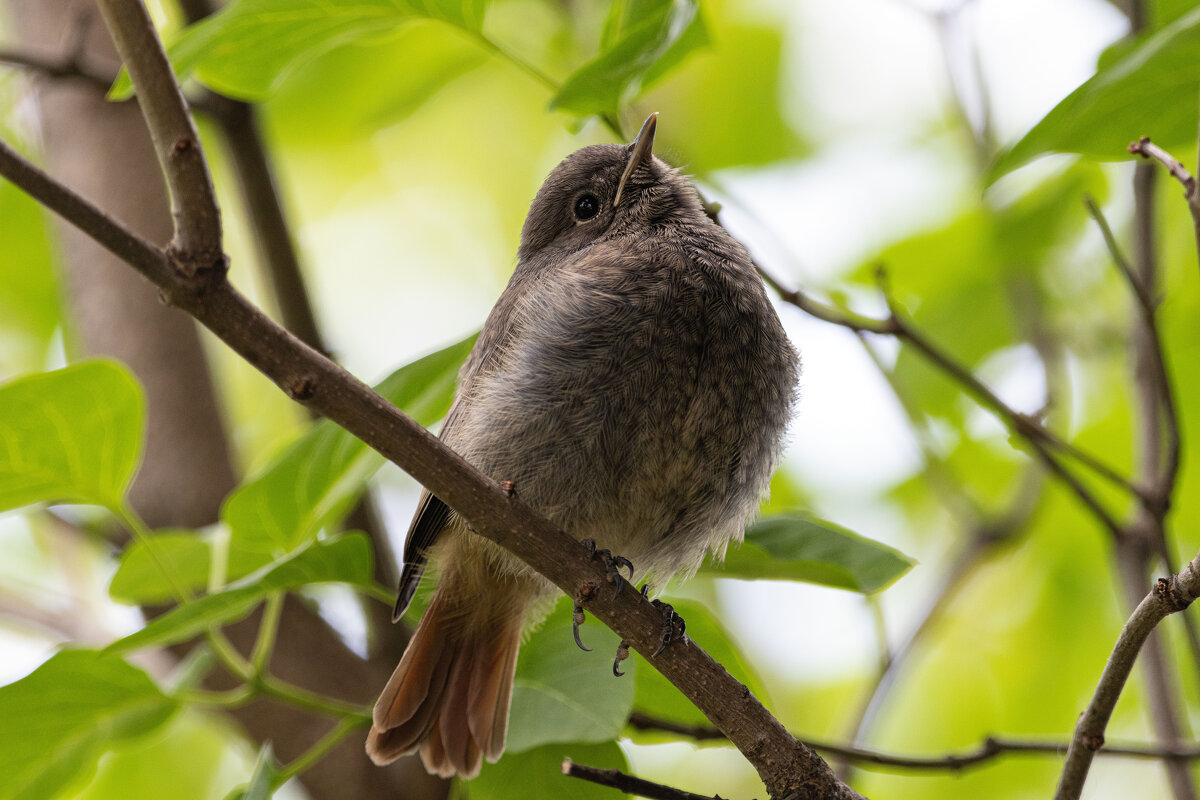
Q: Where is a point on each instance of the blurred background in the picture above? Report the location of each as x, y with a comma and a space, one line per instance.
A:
837, 138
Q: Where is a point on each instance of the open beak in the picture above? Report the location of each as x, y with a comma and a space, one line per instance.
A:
640, 152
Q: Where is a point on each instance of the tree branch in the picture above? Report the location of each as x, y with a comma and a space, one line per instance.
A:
990, 749
786, 767
1191, 192
1041, 439
629, 784
1168, 596
197, 241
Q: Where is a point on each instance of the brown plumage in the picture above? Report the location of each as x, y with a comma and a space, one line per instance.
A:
634, 383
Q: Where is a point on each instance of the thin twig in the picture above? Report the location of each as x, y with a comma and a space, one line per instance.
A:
1041, 439
629, 784
990, 749
1191, 192
197, 240
1169, 595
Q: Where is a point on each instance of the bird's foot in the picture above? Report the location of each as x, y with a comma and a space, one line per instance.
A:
673, 630
612, 564
673, 627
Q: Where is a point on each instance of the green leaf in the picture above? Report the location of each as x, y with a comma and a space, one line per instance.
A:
798, 547
139, 579
562, 694
641, 39
74, 434
316, 480
658, 697
59, 720
538, 773
262, 781
344, 560
1149, 90
251, 46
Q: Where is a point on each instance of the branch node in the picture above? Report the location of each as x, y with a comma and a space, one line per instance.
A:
303, 388
1093, 741
183, 144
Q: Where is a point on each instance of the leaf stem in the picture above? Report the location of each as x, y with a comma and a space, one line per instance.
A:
318, 751
310, 701
267, 628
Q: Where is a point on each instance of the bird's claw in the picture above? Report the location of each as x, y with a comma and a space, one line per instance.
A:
612, 564
622, 654
577, 618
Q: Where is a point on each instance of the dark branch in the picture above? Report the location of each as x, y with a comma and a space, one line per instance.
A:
629, 784
989, 749
1191, 192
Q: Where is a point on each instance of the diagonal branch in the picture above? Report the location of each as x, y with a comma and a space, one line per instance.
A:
1045, 443
1168, 596
629, 784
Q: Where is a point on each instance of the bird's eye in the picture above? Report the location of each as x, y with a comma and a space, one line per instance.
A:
586, 206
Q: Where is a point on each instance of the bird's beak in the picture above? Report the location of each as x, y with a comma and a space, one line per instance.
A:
640, 151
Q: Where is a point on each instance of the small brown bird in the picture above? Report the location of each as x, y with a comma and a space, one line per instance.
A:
633, 383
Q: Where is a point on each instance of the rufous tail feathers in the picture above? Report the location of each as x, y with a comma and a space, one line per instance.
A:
450, 694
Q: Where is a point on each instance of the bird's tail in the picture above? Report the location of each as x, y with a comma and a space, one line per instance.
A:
450, 694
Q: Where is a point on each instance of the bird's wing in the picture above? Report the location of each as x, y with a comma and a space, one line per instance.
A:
432, 515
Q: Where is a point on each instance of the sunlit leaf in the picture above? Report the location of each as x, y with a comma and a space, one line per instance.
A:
318, 478
798, 547
140, 578
640, 35
250, 46
74, 434
562, 694
344, 560
59, 720
658, 697
1150, 90
538, 773
29, 299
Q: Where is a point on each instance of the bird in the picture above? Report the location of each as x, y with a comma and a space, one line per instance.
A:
633, 384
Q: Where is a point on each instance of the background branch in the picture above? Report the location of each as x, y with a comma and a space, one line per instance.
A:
1169, 595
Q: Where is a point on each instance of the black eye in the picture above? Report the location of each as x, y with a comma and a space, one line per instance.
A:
586, 206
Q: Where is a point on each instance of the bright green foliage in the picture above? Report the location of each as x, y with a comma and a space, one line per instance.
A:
800, 547
317, 479
641, 39
74, 434
57, 721
343, 560
29, 309
538, 773
1150, 90
187, 555
252, 45
656, 696
563, 694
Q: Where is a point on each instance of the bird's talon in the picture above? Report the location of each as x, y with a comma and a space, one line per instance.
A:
577, 618
673, 625
622, 654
